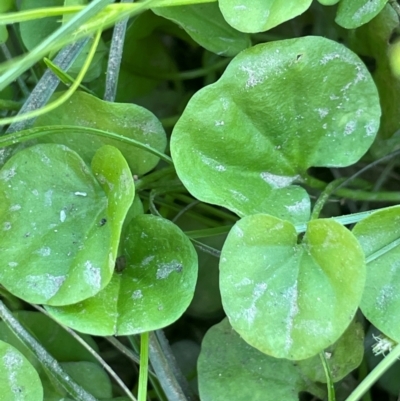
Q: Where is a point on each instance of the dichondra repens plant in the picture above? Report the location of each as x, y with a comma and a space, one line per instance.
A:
235, 162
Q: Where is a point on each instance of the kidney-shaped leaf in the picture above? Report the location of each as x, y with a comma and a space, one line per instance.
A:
260, 15
125, 119
154, 288
278, 109
59, 229
286, 299
18, 378
230, 369
206, 25
353, 13
379, 236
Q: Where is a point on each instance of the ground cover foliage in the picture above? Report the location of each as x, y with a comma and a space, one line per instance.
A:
199, 200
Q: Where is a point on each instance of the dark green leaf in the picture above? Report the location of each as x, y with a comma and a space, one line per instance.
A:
128, 120
230, 369
206, 25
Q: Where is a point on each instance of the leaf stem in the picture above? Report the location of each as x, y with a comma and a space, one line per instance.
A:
328, 375
375, 374
144, 366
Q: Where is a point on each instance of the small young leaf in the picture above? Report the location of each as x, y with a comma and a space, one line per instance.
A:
286, 299
261, 15
353, 13
18, 378
59, 230
379, 236
128, 120
230, 369
152, 290
206, 25
278, 109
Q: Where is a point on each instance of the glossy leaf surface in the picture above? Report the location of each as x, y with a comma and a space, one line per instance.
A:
206, 25
261, 15
125, 119
60, 227
18, 378
153, 289
278, 109
286, 299
379, 236
241, 373
353, 13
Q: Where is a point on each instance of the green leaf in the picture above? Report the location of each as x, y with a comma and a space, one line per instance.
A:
206, 25
278, 109
230, 369
91, 377
353, 13
59, 228
343, 356
3, 34
35, 31
261, 15
379, 236
6, 5
50, 335
128, 120
18, 379
372, 41
153, 289
286, 299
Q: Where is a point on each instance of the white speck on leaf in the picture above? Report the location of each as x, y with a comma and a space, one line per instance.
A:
92, 274
35, 192
350, 127
44, 251
277, 181
14, 208
322, 112
137, 294
219, 123
63, 215
167, 268
12, 264
147, 260
77, 193
6, 175
48, 197
46, 285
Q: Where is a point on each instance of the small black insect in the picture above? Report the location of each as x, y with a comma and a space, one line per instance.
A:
103, 221
120, 264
